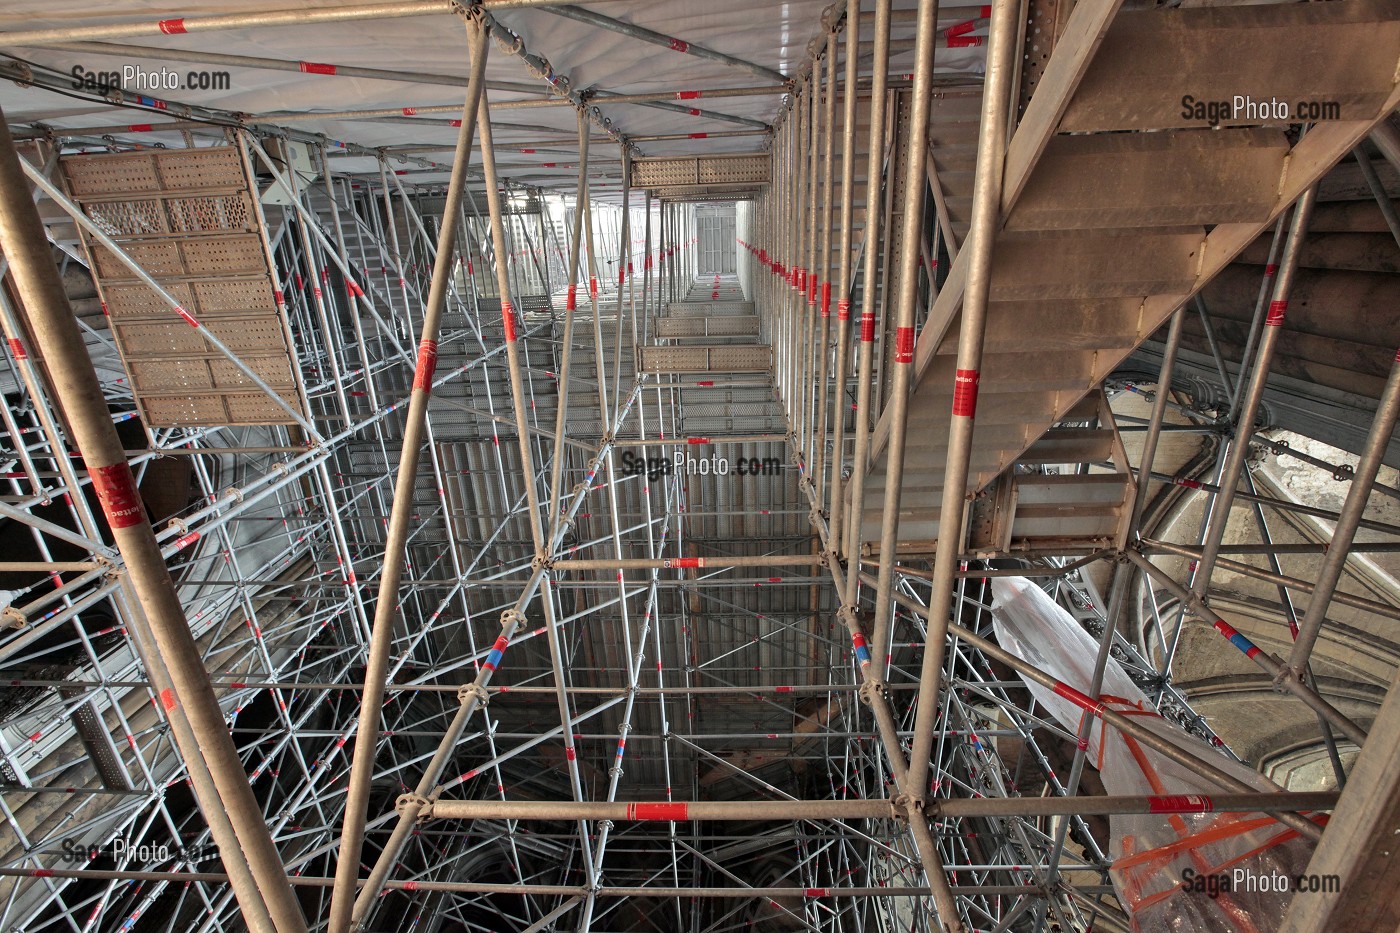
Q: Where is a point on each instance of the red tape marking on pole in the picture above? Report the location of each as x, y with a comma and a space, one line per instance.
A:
965, 392
817, 892
867, 327
658, 811
508, 319
410, 111
1277, 309
139, 128
167, 699
173, 27
189, 318
17, 348
678, 45
826, 299
904, 345
1078, 699
697, 440
687, 95
317, 68
116, 490
1180, 803
571, 302
676, 563
427, 365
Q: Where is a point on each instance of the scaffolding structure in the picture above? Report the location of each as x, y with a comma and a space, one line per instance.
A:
556, 574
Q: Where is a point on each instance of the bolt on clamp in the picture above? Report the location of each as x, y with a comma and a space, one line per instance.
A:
416, 806
467, 691
870, 691
541, 562
512, 617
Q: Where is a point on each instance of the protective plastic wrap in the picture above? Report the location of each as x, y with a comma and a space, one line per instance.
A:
1190, 872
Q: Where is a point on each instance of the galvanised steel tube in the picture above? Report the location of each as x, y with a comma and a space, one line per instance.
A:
723, 562
1127, 725
873, 171
75, 387
1334, 560
657, 38
268, 18
1375, 607
1254, 392
822, 367
570, 306
843, 279
986, 204
1282, 675
745, 810
1159, 411
396, 536
986, 195
517, 381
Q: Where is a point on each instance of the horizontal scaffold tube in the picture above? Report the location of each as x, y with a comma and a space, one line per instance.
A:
719, 810
680, 563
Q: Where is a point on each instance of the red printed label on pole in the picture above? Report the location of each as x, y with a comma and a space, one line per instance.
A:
687, 95
116, 489
843, 310
676, 563
17, 348
593, 287
427, 365
965, 392
904, 345
172, 27
658, 811
817, 892
678, 45
697, 440
1180, 803
185, 541
571, 302
508, 319
139, 128
410, 111
317, 68
867, 328
167, 699
1277, 309
189, 318
826, 299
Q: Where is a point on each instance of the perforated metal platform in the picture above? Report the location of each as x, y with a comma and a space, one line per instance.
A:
187, 217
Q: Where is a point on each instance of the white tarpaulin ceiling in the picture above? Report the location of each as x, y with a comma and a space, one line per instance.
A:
773, 36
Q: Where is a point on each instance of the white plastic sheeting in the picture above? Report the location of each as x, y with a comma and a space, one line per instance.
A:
1186, 873
769, 34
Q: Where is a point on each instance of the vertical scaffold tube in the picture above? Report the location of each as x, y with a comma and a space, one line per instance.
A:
362, 765
986, 202
76, 388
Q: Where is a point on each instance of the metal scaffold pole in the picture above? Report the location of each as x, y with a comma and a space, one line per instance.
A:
190, 695
382, 632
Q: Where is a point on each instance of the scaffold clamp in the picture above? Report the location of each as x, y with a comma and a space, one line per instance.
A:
419, 806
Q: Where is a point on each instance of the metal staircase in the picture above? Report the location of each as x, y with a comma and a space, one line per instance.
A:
1117, 207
